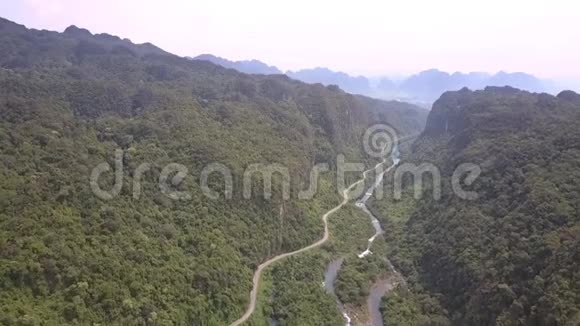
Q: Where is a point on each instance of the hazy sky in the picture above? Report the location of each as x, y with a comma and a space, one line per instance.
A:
359, 37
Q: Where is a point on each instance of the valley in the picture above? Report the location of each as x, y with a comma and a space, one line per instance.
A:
140, 187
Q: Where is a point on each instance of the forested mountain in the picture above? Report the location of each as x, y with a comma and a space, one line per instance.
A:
509, 257
69, 100
245, 66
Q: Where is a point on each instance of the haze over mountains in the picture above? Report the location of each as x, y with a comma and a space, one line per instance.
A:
424, 87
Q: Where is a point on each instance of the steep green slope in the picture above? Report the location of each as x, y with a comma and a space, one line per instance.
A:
509, 257
69, 100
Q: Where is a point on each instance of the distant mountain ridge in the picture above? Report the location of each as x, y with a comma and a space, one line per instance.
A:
430, 84
245, 66
325, 76
355, 85
423, 87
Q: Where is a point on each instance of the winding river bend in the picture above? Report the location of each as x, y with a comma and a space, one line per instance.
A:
329, 278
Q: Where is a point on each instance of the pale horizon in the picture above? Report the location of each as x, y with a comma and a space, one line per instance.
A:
374, 39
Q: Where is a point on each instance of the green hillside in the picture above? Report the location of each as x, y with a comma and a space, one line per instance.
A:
509, 257
69, 100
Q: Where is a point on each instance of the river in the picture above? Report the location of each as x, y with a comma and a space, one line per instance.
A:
380, 288
329, 278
